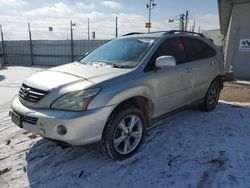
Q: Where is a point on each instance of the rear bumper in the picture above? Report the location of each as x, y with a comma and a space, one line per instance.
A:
82, 127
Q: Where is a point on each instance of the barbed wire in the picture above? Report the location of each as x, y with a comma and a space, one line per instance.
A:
15, 30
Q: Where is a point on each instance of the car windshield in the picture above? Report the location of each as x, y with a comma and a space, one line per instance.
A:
120, 53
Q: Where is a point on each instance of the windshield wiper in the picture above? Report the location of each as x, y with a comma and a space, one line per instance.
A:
115, 65
122, 66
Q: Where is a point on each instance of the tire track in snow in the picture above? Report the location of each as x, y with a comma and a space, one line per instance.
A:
10, 85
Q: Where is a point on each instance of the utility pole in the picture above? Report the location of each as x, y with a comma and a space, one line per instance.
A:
193, 28
88, 30
93, 35
149, 6
71, 41
186, 20
3, 47
116, 28
182, 25
88, 37
31, 47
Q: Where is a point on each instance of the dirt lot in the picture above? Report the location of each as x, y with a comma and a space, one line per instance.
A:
191, 149
235, 92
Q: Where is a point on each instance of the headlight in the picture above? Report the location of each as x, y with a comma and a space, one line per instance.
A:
76, 100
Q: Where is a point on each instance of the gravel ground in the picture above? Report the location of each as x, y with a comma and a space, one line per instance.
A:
234, 91
190, 149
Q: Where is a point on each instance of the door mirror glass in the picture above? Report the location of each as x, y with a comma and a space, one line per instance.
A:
165, 61
85, 53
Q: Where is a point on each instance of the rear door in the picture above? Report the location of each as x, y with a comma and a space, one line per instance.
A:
171, 85
202, 65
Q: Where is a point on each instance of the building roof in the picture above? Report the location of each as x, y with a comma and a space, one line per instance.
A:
225, 10
215, 35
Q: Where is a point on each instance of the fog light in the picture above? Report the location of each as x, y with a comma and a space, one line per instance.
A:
61, 129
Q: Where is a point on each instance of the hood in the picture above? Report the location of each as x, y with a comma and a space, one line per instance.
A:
72, 73
90, 72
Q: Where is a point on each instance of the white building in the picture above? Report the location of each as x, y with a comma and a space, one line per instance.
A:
235, 27
215, 35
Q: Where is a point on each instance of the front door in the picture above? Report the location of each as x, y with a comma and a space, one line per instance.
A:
171, 85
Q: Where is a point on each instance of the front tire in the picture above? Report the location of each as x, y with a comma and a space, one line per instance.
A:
212, 97
124, 133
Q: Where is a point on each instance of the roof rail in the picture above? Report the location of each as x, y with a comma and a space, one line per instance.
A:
157, 32
179, 31
133, 33
166, 33
137, 33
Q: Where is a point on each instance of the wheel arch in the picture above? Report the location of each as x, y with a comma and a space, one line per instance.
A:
219, 79
141, 102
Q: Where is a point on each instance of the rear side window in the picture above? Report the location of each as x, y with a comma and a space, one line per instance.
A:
173, 47
197, 49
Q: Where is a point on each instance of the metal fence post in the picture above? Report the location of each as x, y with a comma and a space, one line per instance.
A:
3, 47
71, 41
88, 38
31, 47
116, 27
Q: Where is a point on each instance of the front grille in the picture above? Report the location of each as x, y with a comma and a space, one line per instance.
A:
30, 94
29, 119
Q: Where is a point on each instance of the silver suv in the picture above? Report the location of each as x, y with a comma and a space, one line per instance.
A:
113, 93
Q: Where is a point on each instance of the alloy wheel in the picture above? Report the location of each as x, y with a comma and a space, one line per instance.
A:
213, 95
128, 134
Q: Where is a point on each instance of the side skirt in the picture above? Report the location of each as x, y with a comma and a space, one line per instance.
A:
154, 122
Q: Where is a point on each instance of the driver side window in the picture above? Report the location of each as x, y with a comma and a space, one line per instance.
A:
171, 46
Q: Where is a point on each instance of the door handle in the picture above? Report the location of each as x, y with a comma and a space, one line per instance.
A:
213, 62
188, 69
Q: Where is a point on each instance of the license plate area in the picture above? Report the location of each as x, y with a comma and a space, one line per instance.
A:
16, 119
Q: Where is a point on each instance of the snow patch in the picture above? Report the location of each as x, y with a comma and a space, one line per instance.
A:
191, 149
243, 82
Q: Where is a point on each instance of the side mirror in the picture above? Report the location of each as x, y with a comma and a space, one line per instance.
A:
85, 54
165, 61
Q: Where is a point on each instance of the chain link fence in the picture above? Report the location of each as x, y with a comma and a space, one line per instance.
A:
46, 52
50, 47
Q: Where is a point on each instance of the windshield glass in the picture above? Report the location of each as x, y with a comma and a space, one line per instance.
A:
122, 52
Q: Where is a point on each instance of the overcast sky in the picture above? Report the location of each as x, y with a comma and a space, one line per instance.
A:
132, 14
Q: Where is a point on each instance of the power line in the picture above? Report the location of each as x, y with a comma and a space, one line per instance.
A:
88, 30
71, 40
31, 46
116, 27
186, 20
150, 6
3, 48
181, 22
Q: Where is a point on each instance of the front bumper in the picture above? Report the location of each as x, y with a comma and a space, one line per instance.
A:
82, 127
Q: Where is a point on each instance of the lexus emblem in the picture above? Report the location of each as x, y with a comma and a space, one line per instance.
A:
26, 91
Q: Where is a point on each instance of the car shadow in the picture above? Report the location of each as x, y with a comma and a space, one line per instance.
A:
2, 77
3, 67
48, 159
183, 144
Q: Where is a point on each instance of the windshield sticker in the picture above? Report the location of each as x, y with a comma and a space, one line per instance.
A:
149, 41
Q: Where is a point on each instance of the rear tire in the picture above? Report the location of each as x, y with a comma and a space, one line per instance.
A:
212, 97
124, 133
